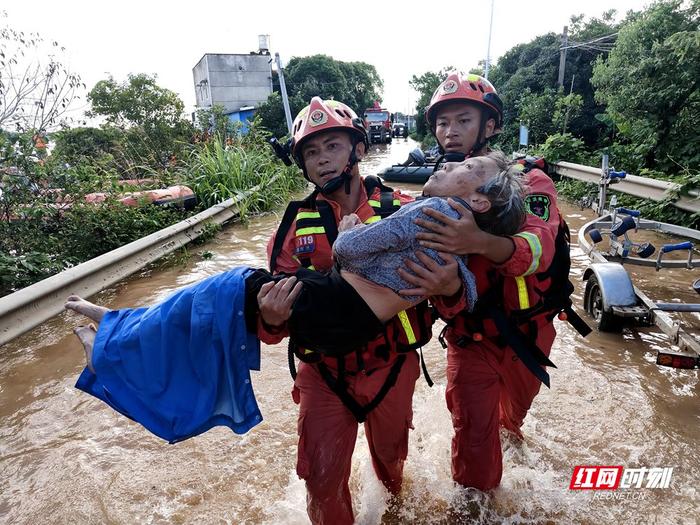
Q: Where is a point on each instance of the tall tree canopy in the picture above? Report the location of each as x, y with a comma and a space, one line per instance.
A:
425, 85
355, 83
526, 78
650, 84
138, 101
151, 116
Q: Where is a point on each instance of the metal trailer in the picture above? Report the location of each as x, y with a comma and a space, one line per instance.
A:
610, 296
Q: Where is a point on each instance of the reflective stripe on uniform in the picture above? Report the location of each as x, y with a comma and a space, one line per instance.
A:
377, 204
523, 297
308, 215
310, 230
373, 218
535, 247
410, 335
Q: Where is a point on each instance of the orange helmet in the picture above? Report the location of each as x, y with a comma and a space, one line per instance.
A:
465, 88
324, 115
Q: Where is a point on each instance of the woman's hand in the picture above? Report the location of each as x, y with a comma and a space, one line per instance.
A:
275, 300
431, 278
348, 222
459, 236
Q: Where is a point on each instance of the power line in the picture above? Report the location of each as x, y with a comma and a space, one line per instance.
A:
581, 44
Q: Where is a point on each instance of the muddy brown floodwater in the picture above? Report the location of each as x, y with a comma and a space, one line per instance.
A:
67, 458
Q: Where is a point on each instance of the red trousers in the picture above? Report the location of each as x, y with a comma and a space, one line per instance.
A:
487, 386
328, 431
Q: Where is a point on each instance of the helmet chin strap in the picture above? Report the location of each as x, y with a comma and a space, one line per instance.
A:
344, 178
481, 141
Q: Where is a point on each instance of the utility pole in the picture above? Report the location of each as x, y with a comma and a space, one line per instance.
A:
488, 47
562, 56
283, 89
568, 107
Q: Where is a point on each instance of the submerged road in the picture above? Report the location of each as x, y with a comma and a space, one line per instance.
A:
67, 458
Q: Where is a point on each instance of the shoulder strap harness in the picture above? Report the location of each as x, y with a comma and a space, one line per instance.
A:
314, 216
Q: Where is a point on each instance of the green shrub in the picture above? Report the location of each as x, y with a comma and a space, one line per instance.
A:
19, 271
563, 147
216, 172
46, 226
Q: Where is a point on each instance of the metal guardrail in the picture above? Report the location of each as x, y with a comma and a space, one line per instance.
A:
656, 190
31, 306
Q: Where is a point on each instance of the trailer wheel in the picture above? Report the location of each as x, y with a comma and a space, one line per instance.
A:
593, 300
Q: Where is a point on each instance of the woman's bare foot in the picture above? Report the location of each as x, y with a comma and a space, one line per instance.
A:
88, 309
86, 334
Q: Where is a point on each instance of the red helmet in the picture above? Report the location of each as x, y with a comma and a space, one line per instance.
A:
324, 115
465, 88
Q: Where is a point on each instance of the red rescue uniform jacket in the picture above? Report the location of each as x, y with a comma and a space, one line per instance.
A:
314, 247
534, 251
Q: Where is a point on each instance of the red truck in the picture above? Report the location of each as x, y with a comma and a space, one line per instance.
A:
378, 121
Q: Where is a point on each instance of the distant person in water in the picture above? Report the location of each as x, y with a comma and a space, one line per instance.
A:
364, 289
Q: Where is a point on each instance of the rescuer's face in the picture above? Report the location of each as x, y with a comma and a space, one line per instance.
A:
326, 155
457, 127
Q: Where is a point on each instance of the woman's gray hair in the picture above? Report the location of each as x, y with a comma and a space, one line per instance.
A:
506, 192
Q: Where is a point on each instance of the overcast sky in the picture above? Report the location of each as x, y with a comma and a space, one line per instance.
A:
399, 38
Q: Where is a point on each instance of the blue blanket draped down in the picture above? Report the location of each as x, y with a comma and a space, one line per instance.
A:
182, 366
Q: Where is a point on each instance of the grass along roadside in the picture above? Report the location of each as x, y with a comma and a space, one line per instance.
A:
44, 243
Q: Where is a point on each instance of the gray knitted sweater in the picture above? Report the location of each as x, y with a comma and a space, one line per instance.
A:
376, 251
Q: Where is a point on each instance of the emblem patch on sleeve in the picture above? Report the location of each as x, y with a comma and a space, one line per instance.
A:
538, 205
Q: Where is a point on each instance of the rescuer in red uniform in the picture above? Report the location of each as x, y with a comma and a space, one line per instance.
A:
374, 385
497, 354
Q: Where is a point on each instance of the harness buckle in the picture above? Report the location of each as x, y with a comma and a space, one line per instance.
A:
441, 338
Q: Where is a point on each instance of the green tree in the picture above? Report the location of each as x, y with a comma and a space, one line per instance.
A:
355, 83
152, 116
650, 82
214, 121
566, 108
547, 112
317, 75
524, 70
533, 68
271, 113
363, 85
425, 85
563, 146
535, 112
579, 69
84, 143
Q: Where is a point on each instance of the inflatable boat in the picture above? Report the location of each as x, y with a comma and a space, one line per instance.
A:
416, 170
409, 174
